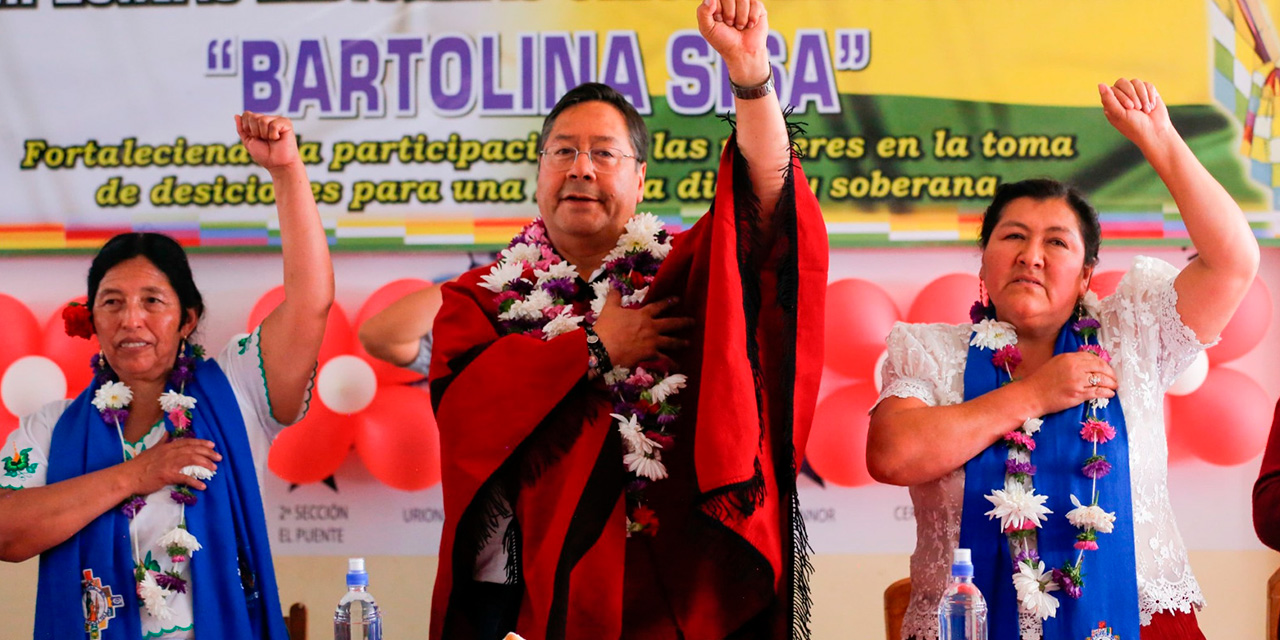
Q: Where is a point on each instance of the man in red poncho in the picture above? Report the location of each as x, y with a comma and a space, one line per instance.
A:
622, 411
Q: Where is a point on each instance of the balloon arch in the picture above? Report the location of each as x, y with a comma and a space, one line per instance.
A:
357, 403
1213, 413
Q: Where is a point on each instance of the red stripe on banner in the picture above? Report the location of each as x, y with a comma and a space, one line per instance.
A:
1156, 227
30, 228
95, 233
185, 237
1134, 232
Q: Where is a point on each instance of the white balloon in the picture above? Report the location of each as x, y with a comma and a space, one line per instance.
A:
1192, 378
876, 375
30, 383
346, 384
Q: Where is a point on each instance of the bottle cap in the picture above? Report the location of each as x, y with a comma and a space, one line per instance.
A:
356, 575
962, 563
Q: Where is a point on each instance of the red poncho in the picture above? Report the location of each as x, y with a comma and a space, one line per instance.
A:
518, 417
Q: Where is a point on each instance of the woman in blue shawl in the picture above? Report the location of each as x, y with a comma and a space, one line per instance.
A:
141, 496
1035, 435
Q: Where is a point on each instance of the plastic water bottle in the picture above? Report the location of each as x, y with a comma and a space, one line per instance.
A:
962, 613
357, 616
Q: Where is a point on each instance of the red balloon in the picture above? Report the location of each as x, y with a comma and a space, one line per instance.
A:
837, 448
339, 339
946, 299
832, 381
21, 331
71, 354
1104, 283
312, 449
859, 316
398, 440
382, 298
1226, 420
1247, 326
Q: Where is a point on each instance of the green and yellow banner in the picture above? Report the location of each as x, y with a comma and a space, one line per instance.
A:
419, 120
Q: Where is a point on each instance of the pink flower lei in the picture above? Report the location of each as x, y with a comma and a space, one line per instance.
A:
1019, 470
112, 399
535, 290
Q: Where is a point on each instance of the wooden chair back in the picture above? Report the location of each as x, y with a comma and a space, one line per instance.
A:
295, 622
1273, 606
896, 598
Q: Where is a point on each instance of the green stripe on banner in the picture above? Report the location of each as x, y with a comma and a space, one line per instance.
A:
233, 225
371, 243
1223, 60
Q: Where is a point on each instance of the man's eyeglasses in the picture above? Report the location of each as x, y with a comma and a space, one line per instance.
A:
605, 159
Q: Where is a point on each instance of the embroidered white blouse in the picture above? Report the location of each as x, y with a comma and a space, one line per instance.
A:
1149, 346
241, 361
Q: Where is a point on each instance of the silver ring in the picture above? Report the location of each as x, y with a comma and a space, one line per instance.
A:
1094, 379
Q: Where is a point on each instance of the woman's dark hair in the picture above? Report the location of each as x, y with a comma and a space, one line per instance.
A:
597, 92
1046, 189
160, 250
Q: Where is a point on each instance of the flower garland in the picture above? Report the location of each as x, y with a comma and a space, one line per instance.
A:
112, 399
536, 289
1018, 507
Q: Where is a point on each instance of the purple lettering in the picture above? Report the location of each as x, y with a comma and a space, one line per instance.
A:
261, 60
812, 78
689, 62
492, 99
561, 69
405, 51
528, 73
451, 92
361, 68
310, 80
624, 71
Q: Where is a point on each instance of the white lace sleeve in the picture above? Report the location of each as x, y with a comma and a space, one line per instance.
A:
909, 370
926, 361
1144, 312
1150, 346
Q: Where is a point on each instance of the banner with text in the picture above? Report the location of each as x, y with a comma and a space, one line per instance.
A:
419, 121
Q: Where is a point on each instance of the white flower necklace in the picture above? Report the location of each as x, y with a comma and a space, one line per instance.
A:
112, 399
1018, 507
536, 290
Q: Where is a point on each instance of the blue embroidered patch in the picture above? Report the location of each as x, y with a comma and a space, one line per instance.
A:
1103, 632
99, 605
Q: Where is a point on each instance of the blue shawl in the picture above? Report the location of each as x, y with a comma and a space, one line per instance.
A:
1110, 597
231, 577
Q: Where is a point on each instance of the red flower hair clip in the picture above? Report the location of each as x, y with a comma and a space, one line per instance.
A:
77, 320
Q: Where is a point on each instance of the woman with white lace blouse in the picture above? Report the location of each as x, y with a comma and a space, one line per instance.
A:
1035, 436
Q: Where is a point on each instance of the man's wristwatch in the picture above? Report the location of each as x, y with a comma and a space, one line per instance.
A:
597, 355
754, 91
